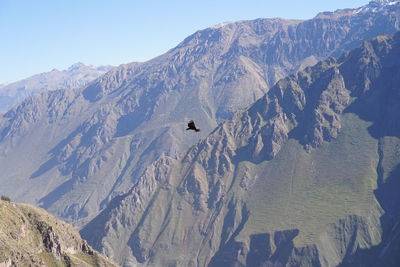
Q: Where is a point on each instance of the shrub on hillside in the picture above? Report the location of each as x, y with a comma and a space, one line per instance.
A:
5, 198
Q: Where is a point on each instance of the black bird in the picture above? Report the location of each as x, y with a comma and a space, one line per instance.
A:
191, 126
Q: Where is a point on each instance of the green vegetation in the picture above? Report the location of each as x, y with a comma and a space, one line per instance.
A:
82, 259
50, 260
309, 190
5, 198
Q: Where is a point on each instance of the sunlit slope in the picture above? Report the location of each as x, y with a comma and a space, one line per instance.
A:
308, 190
30, 236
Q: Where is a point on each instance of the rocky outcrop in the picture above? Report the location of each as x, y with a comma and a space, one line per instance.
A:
30, 236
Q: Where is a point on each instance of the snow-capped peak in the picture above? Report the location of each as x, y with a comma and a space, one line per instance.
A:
376, 6
76, 66
385, 2
217, 26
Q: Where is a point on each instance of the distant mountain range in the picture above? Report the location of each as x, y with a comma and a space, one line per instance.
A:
76, 76
270, 179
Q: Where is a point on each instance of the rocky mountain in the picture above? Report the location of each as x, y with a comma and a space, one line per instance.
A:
306, 176
76, 76
72, 151
29, 236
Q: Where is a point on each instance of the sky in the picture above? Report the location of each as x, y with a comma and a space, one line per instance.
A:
41, 35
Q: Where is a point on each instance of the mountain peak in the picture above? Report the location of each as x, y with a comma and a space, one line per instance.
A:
383, 2
76, 66
76, 76
377, 5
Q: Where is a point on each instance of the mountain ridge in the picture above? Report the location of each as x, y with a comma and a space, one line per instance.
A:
80, 148
76, 76
298, 197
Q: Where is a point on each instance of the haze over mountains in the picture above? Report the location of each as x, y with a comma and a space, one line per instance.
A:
76, 76
293, 175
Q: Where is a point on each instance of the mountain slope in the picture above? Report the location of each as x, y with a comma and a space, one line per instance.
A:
76, 76
31, 236
304, 177
81, 148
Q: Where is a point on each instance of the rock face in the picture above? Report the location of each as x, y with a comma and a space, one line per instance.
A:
306, 176
31, 237
76, 76
81, 148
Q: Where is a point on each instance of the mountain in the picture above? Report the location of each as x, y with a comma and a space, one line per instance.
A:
72, 151
306, 176
76, 76
29, 236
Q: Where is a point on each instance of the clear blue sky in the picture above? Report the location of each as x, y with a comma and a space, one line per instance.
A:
39, 35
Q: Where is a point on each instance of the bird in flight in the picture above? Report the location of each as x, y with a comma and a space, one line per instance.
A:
192, 126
